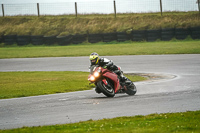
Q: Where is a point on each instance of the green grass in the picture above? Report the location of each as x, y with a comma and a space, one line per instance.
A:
68, 24
185, 122
113, 48
22, 84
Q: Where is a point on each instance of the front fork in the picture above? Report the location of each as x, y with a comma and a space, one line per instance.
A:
105, 81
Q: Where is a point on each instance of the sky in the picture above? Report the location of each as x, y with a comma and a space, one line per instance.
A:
44, 1
14, 7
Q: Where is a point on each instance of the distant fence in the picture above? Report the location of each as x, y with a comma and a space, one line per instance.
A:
100, 7
136, 35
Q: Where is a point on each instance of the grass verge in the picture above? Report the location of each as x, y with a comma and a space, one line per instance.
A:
22, 84
68, 24
112, 48
185, 122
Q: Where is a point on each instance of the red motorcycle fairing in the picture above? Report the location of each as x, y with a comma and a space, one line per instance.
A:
101, 77
113, 77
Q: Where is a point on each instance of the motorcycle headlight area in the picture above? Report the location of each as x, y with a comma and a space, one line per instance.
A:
92, 78
96, 74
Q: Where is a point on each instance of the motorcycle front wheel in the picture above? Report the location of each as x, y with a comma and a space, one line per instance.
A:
107, 90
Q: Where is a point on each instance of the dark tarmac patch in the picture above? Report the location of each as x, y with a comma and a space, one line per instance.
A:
153, 76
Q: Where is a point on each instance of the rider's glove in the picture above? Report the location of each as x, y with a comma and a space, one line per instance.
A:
105, 66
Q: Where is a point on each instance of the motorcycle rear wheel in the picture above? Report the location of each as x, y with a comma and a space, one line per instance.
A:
106, 89
131, 89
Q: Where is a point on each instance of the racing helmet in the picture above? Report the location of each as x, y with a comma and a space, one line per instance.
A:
94, 58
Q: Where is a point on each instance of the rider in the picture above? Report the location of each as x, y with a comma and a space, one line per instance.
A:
106, 63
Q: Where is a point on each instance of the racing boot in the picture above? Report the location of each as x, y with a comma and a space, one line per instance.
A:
122, 78
97, 90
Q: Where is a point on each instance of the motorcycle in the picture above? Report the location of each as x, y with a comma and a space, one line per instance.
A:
109, 83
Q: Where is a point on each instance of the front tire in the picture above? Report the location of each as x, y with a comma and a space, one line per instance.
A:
106, 89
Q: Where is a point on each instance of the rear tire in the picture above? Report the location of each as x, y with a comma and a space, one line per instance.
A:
131, 89
106, 90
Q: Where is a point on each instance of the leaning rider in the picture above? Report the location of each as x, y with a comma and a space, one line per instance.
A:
106, 63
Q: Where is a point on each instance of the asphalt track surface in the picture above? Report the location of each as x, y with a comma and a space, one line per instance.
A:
178, 90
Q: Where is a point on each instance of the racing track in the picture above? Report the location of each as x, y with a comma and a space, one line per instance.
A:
178, 92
